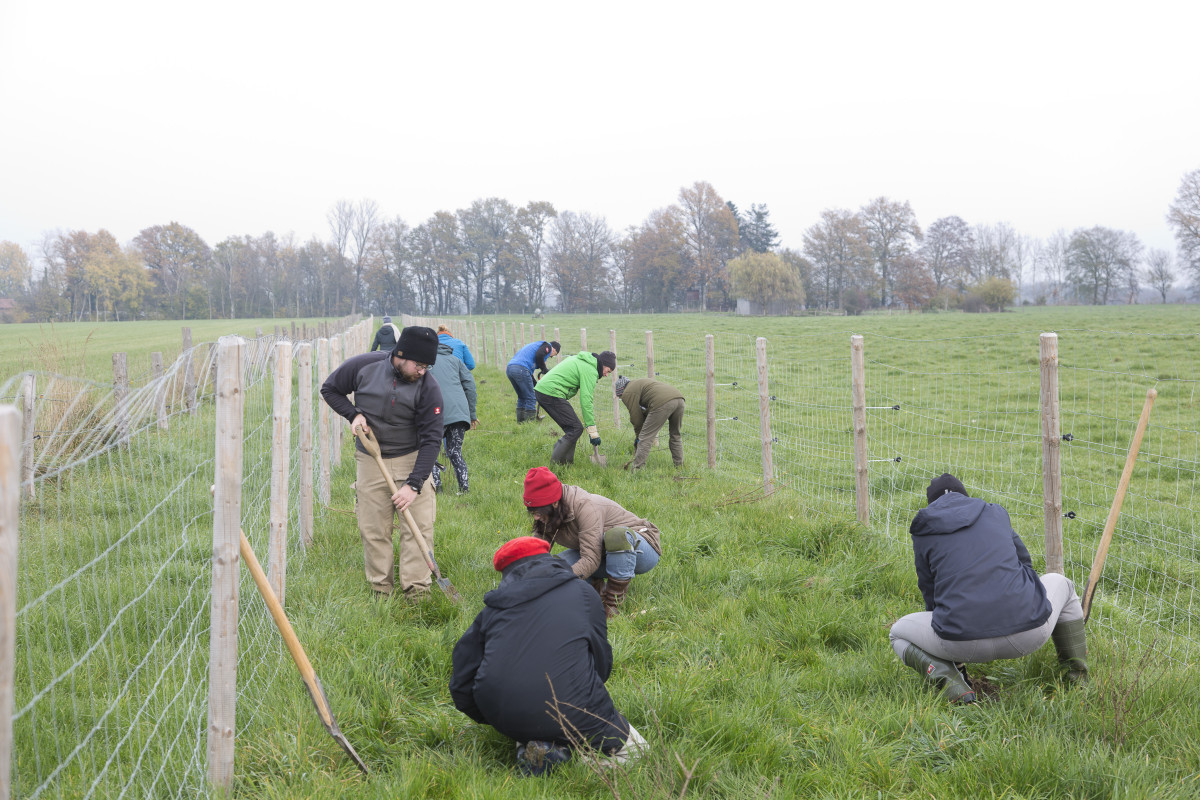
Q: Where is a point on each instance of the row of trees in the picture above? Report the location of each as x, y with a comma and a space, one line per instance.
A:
700, 253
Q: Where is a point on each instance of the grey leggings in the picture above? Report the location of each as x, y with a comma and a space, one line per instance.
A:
918, 629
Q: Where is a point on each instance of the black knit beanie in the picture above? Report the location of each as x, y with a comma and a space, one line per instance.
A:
606, 359
944, 483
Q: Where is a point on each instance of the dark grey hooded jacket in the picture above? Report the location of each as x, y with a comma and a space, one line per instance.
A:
974, 571
540, 626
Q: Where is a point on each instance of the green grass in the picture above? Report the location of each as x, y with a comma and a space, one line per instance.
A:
755, 655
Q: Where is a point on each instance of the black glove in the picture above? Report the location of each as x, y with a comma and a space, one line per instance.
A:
595, 441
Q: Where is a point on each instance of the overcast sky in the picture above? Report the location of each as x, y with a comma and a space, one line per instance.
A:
242, 117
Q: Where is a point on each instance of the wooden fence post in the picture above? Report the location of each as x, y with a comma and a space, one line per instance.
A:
227, 522
160, 390
189, 373
650, 354
764, 416
710, 399
120, 395
504, 342
1051, 454
304, 407
544, 333
10, 518
336, 357
323, 414
523, 342
28, 420
612, 345
557, 336
281, 450
858, 401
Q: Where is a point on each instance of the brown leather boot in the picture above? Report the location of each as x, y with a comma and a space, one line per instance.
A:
613, 595
598, 585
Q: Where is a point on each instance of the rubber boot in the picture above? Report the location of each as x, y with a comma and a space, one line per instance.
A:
563, 453
521, 415
1071, 643
940, 673
614, 595
598, 585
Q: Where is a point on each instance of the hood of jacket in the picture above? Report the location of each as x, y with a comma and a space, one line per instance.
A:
529, 578
949, 513
444, 349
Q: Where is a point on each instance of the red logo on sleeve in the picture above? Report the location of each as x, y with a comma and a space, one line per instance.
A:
437, 410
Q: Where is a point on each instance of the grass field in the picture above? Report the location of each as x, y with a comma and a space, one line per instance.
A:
755, 656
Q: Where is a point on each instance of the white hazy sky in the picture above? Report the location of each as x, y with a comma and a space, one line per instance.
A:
239, 117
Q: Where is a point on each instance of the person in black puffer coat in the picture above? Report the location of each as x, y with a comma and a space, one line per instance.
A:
534, 662
983, 599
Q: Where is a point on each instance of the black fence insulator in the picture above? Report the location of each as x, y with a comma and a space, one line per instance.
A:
896, 408
773, 397
733, 384
1069, 515
1067, 437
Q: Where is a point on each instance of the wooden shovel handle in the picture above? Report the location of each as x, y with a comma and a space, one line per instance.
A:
1114, 512
285, 628
372, 447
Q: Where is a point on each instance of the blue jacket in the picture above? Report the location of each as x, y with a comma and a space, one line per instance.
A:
458, 349
457, 385
532, 356
974, 571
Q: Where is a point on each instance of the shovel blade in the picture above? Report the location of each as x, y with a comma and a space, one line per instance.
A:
317, 692
597, 458
448, 589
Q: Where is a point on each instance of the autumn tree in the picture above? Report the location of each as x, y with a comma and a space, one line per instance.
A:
765, 279
914, 284
177, 258
389, 278
657, 266
1098, 260
893, 233
710, 235
1184, 218
436, 252
1160, 272
840, 255
948, 250
15, 270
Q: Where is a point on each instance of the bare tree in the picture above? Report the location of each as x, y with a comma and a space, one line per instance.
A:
1160, 272
579, 249
948, 250
363, 223
1051, 257
893, 233
529, 236
1184, 217
840, 255
1099, 260
710, 234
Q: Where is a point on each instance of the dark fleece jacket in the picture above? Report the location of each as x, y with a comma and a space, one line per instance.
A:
974, 571
541, 626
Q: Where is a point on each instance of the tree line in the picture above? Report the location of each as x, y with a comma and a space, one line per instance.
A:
702, 252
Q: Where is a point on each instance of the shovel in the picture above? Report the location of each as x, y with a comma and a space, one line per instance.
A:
596, 458
315, 690
372, 447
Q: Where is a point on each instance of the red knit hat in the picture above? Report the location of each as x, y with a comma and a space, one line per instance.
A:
516, 549
542, 487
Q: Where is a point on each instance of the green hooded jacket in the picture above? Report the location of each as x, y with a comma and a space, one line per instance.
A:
577, 374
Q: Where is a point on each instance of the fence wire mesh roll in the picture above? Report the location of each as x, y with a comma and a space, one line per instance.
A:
115, 551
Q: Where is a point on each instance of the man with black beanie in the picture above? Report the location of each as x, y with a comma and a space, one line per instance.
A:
578, 374
401, 405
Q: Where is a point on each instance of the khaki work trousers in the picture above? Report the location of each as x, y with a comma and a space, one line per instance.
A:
376, 516
670, 412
